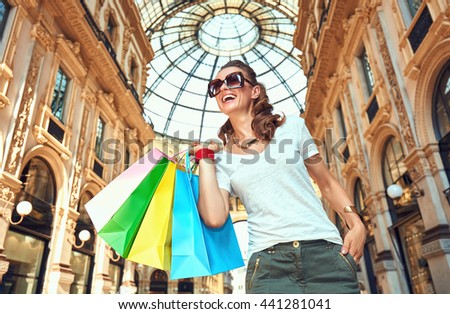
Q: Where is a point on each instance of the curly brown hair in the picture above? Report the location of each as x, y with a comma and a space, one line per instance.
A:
264, 122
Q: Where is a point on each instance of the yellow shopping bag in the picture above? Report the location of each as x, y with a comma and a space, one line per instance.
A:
152, 245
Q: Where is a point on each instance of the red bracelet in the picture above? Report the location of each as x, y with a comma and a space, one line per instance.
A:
204, 153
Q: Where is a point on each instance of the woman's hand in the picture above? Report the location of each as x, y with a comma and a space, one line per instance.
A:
214, 146
213, 202
354, 241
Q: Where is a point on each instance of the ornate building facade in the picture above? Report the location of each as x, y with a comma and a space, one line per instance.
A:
73, 73
378, 105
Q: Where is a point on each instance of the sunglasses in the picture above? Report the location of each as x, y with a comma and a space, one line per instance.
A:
232, 80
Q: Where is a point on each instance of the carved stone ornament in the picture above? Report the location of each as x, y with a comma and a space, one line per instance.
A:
89, 96
7, 194
369, 6
28, 4
395, 91
39, 32
359, 146
126, 40
21, 124
78, 170
75, 48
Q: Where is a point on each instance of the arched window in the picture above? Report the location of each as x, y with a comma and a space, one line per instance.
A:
393, 165
441, 115
158, 282
26, 245
408, 228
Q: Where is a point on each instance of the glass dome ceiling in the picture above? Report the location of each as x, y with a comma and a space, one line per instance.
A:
193, 39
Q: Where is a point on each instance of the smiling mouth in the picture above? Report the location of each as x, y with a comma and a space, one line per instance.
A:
228, 98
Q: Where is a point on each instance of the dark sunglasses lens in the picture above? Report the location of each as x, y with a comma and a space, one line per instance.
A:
234, 80
214, 87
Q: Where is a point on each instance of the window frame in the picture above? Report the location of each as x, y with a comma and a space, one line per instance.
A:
98, 146
66, 95
4, 20
367, 73
407, 13
438, 93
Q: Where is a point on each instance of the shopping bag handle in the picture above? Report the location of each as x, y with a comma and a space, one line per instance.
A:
188, 165
187, 157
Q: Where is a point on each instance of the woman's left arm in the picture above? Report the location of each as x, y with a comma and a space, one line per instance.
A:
338, 199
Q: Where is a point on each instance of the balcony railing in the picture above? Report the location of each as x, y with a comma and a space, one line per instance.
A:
101, 36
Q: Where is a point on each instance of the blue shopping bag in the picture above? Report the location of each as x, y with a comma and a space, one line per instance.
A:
221, 243
198, 250
189, 255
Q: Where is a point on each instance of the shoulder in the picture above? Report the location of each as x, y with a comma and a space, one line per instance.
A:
295, 120
294, 123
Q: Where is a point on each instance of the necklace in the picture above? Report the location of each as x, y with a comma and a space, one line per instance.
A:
246, 145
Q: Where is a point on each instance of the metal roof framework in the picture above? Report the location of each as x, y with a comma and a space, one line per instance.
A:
193, 39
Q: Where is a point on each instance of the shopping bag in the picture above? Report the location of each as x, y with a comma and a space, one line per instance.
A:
149, 215
105, 204
152, 244
189, 255
222, 245
122, 226
198, 250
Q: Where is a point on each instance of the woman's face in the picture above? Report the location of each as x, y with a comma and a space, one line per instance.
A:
237, 100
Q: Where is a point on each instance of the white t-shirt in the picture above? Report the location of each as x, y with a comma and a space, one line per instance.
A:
276, 189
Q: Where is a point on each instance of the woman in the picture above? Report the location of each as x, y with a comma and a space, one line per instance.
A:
267, 161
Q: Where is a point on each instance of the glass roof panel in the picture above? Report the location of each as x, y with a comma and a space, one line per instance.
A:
193, 39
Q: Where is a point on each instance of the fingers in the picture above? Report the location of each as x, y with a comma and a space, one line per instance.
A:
353, 246
214, 146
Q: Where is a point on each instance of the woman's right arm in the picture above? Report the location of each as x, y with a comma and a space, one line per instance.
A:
213, 202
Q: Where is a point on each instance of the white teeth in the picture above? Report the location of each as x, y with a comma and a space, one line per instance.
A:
228, 97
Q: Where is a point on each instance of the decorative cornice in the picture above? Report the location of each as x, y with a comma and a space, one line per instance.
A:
438, 232
437, 247
28, 4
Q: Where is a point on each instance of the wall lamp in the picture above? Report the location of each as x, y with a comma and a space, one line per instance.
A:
404, 196
112, 255
84, 236
23, 208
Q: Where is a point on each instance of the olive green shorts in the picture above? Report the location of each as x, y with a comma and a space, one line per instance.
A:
305, 267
